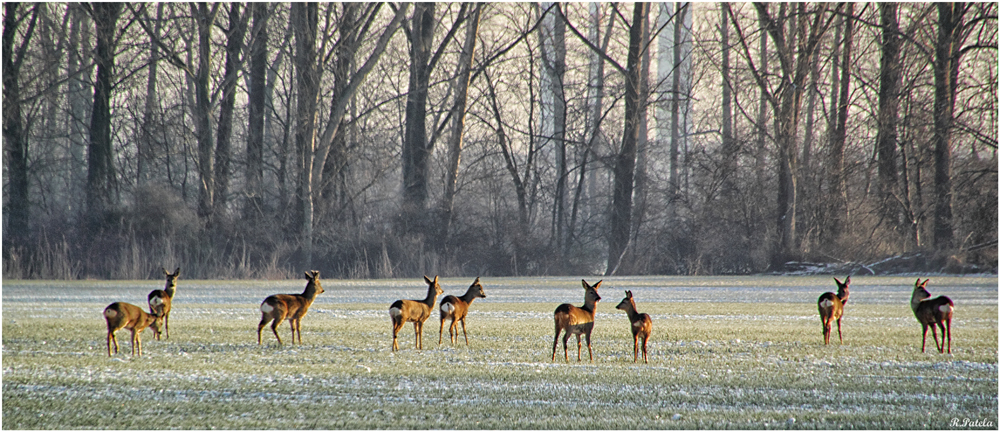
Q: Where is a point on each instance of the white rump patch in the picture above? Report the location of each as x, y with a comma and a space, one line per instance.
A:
945, 308
447, 308
110, 313
826, 303
637, 324
155, 301
395, 312
266, 308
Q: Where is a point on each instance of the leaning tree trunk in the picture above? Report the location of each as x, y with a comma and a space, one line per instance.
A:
458, 119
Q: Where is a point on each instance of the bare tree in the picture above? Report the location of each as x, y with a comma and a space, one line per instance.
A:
461, 86
888, 115
100, 162
14, 133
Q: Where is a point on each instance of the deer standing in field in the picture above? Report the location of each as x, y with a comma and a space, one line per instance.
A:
293, 307
831, 307
121, 315
642, 326
932, 312
577, 320
415, 311
456, 308
160, 300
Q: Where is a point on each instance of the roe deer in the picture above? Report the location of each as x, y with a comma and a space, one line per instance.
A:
415, 311
278, 307
456, 308
577, 320
121, 315
831, 307
160, 300
642, 326
934, 312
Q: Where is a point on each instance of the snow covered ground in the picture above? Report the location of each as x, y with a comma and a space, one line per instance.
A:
726, 352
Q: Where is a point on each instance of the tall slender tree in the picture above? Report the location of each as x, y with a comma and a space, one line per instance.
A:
14, 134
101, 178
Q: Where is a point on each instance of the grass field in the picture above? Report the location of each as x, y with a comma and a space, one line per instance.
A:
726, 353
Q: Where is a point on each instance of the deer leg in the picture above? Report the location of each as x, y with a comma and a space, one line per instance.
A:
645, 339
396, 326
635, 347
565, 344
838, 332
441, 330
264, 319
463, 333
939, 347
949, 336
579, 347
166, 326
923, 345
416, 335
589, 350
111, 337
274, 328
555, 343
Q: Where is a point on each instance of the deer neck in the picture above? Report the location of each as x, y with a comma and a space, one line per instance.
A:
589, 306
919, 295
633, 315
468, 297
310, 293
170, 288
843, 294
431, 297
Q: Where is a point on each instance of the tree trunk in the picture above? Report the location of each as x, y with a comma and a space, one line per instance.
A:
458, 119
78, 100
886, 139
946, 58
305, 20
14, 134
552, 37
205, 19
674, 183
223, 147
624, 166
729, 148
257, 106
145, 146
838, 182
100, 159
415, 149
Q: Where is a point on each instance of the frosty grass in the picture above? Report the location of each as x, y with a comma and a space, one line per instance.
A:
739, 352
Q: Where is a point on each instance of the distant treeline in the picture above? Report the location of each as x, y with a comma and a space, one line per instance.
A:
371, 140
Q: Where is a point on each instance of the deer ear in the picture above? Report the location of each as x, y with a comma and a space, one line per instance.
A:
924, 284
847, 281
476, 281
315, 274
838, 281
168, 273
598, 284
308, 276
177, 272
